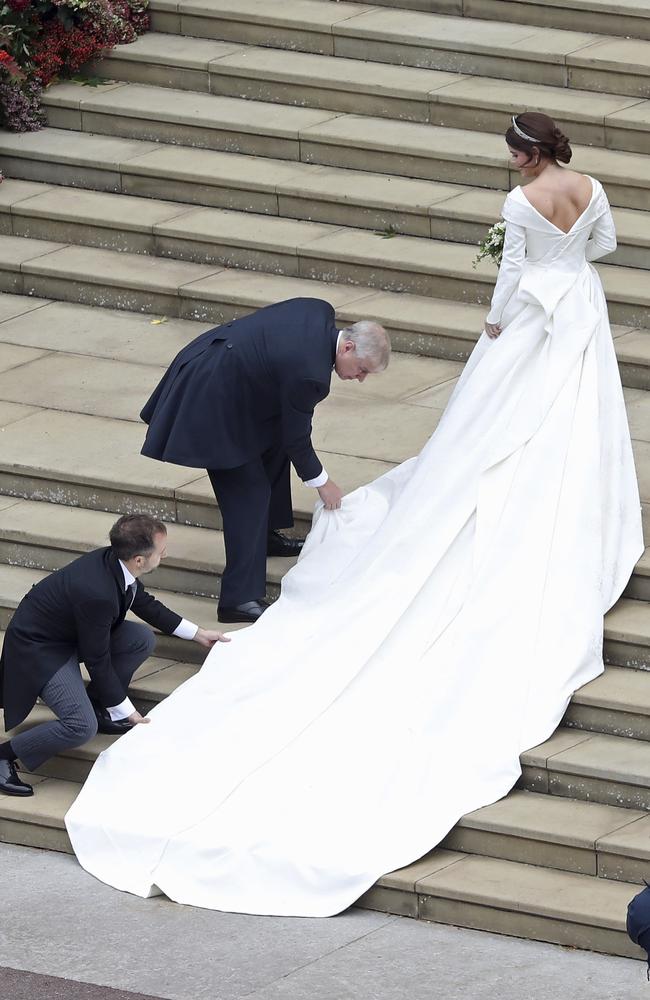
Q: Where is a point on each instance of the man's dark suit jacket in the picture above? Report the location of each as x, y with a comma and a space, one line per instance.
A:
244, 387
76, 607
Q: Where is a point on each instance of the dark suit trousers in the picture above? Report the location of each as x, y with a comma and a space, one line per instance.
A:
253, 499
65, 694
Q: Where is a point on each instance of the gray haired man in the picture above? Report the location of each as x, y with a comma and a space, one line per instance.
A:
238, 401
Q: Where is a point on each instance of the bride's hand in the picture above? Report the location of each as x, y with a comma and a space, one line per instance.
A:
493, 330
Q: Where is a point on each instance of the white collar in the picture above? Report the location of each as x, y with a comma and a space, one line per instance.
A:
336, 349
128, 575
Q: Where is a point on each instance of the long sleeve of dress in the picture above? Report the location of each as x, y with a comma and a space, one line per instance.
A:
514, 254
603, 237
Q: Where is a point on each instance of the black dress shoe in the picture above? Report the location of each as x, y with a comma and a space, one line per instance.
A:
107, 725
10, 783
248, 612
282, 545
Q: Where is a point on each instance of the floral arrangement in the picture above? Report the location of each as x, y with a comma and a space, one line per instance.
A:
43, 40
492, 244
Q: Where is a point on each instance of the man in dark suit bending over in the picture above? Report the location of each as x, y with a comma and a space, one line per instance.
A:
77, 614
239, 401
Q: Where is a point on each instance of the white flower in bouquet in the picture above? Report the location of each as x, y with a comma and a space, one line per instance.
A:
492, 244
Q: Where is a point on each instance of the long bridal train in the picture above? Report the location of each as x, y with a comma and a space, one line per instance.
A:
433, 629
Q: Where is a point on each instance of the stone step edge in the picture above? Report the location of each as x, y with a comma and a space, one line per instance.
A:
453, 894
198, 296
172, 505
448, 219
189, 298
69, 103
627, 21
344, 35
438, 280
33, 536
476, 833
440, 95
28, 154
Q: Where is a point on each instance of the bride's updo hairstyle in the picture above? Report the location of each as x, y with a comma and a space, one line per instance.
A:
533, 129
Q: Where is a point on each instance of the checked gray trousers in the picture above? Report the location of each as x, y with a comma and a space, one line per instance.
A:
65, 694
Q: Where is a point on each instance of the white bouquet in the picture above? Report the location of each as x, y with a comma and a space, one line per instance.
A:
492, 244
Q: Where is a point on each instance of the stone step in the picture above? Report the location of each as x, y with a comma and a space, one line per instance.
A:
39, 463
509, 898
431, 40
612, 17
215, 295
617, 703
376, 89
506, 897
118, 479
48, 536
325, 195
296, 134
594, 767
39, 821
627, 631
64, 220
552, 832
417, 324
639, 587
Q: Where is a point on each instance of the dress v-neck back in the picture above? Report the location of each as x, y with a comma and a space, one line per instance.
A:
564, 232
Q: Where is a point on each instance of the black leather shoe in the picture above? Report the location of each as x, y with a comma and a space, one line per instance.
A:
282, 545
107, 726
10, 783
248, 612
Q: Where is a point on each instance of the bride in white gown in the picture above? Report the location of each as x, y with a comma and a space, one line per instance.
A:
434, 628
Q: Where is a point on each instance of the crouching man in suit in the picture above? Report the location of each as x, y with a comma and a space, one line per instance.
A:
77, 614
238, 401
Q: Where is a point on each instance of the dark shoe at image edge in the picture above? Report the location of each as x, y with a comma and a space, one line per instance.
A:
10, 782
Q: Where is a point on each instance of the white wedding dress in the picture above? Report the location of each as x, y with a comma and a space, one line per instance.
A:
432, 630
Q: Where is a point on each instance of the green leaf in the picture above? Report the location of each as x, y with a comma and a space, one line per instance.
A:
386, 234
90, 81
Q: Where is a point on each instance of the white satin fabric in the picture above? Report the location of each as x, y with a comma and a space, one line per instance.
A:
433, 629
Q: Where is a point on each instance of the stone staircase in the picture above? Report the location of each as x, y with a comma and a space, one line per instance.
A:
244, 152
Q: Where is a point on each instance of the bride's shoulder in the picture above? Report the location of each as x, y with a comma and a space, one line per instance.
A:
515, 205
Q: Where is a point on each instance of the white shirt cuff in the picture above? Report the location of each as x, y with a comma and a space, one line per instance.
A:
121, 711
318, 481
186, 629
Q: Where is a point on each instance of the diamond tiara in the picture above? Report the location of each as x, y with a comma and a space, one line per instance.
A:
520, 132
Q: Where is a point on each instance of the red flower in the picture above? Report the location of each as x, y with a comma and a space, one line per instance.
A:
18, 6
9, 64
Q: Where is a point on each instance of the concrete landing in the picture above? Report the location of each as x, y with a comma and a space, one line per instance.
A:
163, 950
